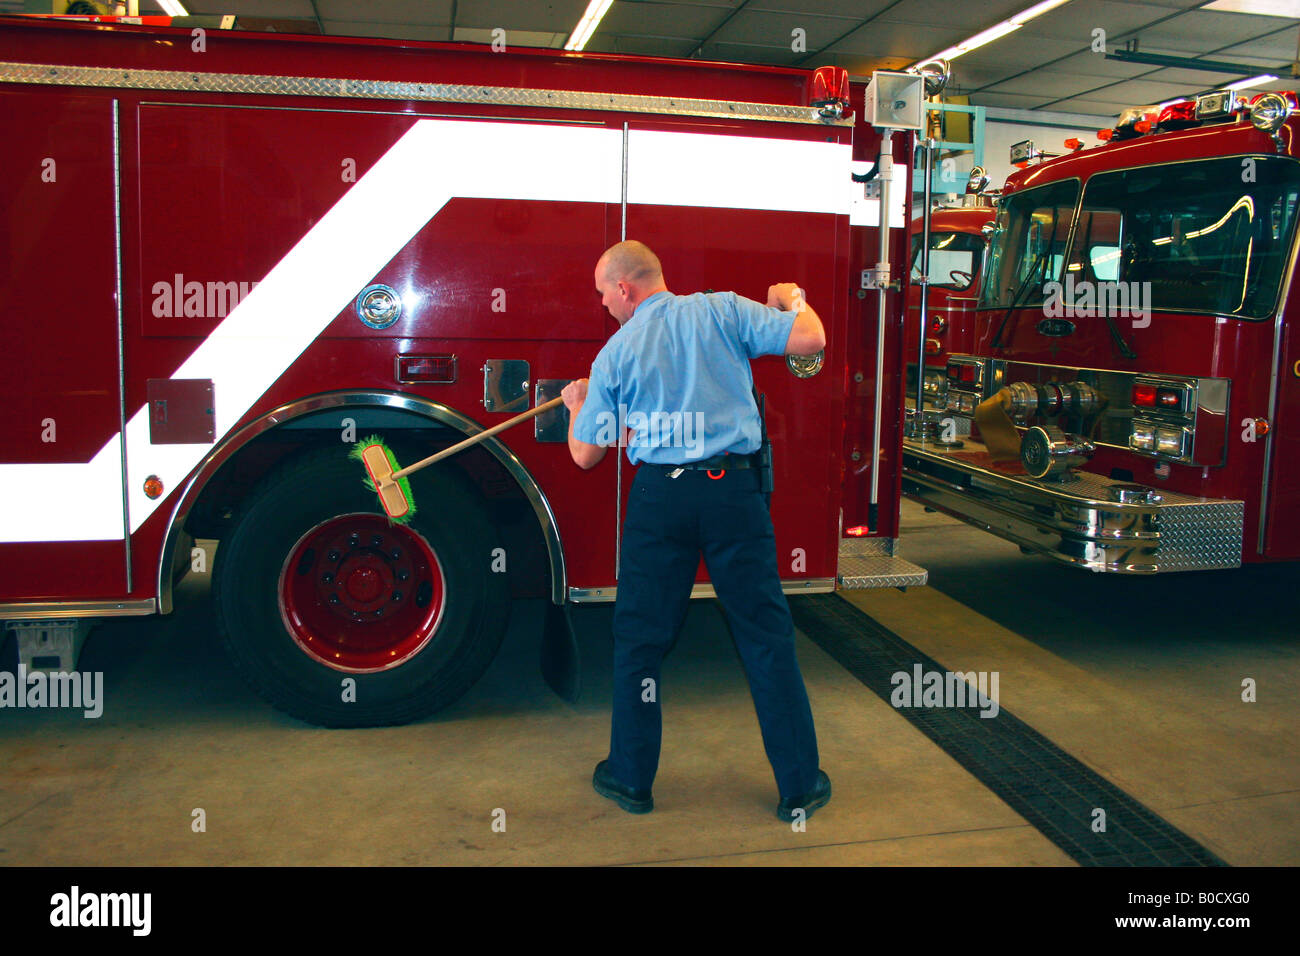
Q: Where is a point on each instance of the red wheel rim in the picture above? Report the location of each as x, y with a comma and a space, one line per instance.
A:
358, 594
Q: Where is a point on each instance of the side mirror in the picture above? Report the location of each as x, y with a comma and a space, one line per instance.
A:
987, 230
977, 182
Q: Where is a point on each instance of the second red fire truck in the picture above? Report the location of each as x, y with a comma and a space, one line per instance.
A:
1127, 397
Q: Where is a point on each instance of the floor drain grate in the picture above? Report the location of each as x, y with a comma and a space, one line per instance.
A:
1052, 790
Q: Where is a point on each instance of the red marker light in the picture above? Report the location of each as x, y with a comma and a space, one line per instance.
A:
968, 373
859, 531
1142, 126
1105, 134
1074, 143
1144, 396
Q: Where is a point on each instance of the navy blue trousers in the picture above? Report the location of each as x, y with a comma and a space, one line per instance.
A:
670, 521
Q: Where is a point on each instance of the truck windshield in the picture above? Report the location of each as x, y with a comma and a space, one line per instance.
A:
1028, 246
1210, 236
954, 259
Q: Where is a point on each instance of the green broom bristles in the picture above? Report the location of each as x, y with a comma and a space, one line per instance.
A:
403, 483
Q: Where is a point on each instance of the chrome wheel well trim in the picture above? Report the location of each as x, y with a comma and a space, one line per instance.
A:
436, 411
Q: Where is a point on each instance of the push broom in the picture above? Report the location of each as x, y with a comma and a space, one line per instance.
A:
389, 481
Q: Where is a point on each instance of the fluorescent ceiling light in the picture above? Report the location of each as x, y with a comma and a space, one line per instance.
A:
587, 25
1009, 25
1267, 8
173, 8
1253, 81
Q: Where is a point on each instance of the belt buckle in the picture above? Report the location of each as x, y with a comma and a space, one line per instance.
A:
721, 471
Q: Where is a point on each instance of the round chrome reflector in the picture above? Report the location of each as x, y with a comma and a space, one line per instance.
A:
806, 366
379, 306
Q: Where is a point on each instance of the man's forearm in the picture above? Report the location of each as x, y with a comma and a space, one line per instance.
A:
584, 455
807, 335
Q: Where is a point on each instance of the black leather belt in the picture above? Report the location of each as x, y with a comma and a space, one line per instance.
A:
716, 463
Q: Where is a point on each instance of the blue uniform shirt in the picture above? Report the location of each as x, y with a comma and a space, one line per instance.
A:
677, 373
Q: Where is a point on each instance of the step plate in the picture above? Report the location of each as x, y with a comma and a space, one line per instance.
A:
879, 571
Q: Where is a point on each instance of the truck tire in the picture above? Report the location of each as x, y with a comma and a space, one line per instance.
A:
342, 619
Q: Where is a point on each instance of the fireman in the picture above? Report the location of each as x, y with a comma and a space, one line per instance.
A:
676, 376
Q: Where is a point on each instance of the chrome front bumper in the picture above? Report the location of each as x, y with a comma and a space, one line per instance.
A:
1076, 521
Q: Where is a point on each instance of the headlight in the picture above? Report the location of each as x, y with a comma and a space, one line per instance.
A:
1143, 437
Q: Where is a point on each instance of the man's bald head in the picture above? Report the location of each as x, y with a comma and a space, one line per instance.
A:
632, 262
627, 274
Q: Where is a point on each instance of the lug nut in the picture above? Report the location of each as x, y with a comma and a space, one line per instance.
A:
397, 595
395, 554
326, 578
334, 599
376, 540
403, 575
333, 555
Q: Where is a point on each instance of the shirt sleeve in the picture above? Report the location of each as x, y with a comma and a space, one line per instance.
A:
597, 421
763, 330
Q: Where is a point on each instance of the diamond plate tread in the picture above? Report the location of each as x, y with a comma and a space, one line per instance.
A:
53, 74
879, 571
864, 547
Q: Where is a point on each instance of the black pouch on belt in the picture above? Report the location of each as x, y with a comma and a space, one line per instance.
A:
764, 454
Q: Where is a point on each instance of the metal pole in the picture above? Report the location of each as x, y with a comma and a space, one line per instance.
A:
885, 173
918, 420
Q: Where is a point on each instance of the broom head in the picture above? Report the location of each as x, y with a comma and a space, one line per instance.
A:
394, 496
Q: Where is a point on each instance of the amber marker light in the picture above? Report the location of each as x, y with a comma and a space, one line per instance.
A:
153, 486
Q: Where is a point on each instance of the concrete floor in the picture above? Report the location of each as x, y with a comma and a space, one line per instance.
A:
1126, 675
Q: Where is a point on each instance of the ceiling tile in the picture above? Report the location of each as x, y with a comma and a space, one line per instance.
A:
774, 29
251, 8
378, 11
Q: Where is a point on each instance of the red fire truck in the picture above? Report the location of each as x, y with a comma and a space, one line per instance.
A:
1130, 398
248, 251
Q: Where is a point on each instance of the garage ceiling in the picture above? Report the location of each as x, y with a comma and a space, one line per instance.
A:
1047, 64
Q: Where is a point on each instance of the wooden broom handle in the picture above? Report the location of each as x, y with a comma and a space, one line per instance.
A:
475, 439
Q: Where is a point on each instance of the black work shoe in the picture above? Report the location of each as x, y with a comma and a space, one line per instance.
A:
633, 801
818, 796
